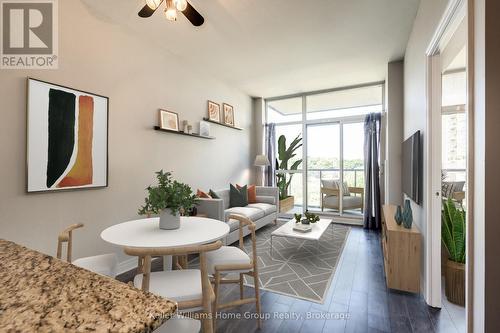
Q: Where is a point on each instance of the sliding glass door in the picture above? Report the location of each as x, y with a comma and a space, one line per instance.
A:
335, 168
330, 178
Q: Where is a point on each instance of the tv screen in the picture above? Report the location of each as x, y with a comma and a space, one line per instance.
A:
412, 168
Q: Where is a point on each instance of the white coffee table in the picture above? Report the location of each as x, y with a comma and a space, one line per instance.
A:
286, 230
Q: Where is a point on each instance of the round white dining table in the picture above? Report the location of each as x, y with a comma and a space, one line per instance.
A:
146, 233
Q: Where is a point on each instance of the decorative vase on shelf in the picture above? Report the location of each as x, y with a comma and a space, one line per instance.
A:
169, 221
407, 215
399, 215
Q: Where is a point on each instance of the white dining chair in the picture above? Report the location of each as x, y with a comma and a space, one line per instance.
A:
190, 288
179, 324
104, 264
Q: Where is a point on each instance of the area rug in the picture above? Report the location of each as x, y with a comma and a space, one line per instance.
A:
298, 268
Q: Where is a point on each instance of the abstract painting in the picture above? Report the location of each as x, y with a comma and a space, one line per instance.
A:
213, 111
67, 138
228, 114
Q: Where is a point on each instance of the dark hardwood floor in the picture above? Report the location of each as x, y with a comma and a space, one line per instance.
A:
358, 301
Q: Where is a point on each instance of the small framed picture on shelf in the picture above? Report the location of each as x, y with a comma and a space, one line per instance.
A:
169, 120
228, 114
214, 111
204, 128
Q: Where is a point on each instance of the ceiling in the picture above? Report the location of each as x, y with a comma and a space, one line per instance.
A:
274, 47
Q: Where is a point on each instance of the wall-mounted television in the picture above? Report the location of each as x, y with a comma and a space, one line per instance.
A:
412, 167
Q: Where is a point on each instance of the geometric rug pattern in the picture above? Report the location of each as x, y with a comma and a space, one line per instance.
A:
298, 268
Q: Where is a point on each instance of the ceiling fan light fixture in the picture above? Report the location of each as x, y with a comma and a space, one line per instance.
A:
171, 11
181, 5
153, 4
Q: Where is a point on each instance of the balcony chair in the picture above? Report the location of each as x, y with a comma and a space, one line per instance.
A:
330, 191
231, 259
190, 288
104, 264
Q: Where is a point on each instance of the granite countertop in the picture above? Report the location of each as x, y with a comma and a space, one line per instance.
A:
40, 293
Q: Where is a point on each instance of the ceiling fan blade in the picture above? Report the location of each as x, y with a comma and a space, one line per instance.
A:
146, 11
193, 16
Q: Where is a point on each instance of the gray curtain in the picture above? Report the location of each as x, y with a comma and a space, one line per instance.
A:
270, 142
372, 217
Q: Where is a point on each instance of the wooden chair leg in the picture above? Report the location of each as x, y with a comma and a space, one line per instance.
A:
257, 296
241, 285
216, 301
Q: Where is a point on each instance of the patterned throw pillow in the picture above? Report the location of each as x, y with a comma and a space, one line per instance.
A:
238, 197
335, 185
345, 189
251, 194
201, 194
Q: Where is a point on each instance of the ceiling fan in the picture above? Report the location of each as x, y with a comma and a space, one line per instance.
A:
171, 9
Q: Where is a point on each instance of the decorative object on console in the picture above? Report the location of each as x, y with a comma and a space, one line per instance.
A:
169, 120
398, 217
285, 155
213, 111
238, 197
298, 217
453, 238
185, 126
228, 114
67, 143
169, 199
204, 128
407, 215
189, 129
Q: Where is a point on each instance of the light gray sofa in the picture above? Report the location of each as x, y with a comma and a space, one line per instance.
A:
261, 213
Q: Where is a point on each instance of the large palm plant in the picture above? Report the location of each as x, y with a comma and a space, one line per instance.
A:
285, 155
453, 230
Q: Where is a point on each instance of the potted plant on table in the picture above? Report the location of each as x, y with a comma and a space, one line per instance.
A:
453, 237
170, 199
284, 156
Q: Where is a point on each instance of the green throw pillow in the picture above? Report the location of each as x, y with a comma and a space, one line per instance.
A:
213, 194
238, 198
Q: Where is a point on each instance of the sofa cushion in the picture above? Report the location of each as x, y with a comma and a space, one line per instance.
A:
347, 203
252, 213
238, 197
266, 199
233, 224
267, 208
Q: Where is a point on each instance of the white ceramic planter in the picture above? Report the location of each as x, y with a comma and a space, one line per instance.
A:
169, 221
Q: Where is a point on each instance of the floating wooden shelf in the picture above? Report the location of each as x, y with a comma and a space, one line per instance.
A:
215, 122
158, 128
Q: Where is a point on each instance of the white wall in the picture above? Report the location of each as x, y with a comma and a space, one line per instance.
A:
138, 78
415, 118
394, 142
